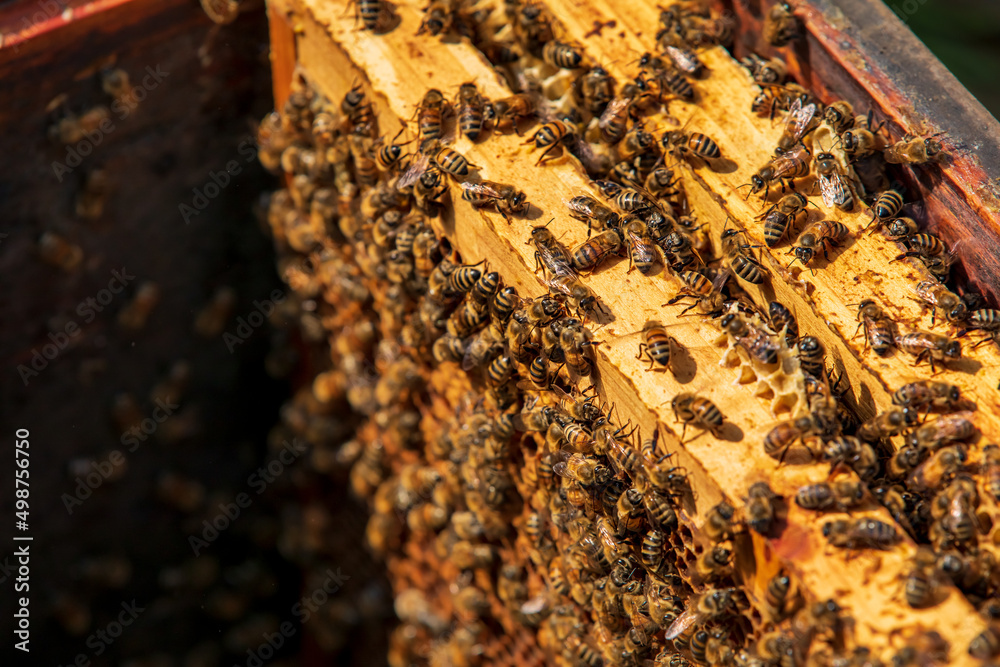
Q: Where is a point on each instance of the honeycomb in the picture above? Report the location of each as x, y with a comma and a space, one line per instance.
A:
521, 519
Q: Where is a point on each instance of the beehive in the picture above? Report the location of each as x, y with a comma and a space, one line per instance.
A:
510, 541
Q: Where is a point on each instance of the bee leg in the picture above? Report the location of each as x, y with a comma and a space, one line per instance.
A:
642, 348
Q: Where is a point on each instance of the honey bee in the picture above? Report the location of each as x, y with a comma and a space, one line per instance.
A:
533, 28
781, 320
929, 346
136, 313
801, 119
760, 507
928, 394
780, 25
742, 263
842, 496
859, 143
212, 319
778, 595
719, 523
823, 235
863, 533
937, 296
913, 150
708, 298
613, 122
642, 248
943, 430
587, 471
593, 90
707, 606
505, 199
358, 111
504, 303
657, 345
471, 108
774, 98
885, 208
58, 251
812, 356
550, 136
755, 340
679, 145
590, 254
430, 189
512, 110
840, 116
698, 412
781, 437
880, 330
376, 15
597, 216
387, 156
887, 424
939, 468
833, 186
991, 469
986, 644
792, 164
430, 112
781, 216
562, 55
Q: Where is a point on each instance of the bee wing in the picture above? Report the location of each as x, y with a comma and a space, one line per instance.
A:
799, 118
685, 60
561, 285
682, 623
483, 188
560, 468
535, 605
828, 188
414, 171
614, 107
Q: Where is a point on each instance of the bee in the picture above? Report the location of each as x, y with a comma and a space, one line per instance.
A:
590, 254
614, 120
58, 251
937, 296
778, 595
887, 424
939, 468
986, 644
136, 312
719, 523
885, 208
631, 200
825, 234
447, 159
801, 119
583, 469
943, 430
387, 156
913, 150
740, 261
504, 303
594, 89
840, 116
679, 145
880, 330
707, 606
651, 553
812, 355
861, 534
792, 164
512, 110
765, 73
774, 98
551, 135
376, 15
430, 112
597, 216
782, 436
841, 496
928, 394
471, 107
991, 469
933, 347
358, 111
636, 145
780, 25
685, 60
781, 216
707, 297
533, 28
757, 342
642, 248
562, 55
859, 143
430, 189
438, 18
448, 348
781, 320
696, 411
835, 189
657, 345
505, 199
760, 507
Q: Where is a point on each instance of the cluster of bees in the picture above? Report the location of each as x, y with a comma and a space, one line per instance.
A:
518, 514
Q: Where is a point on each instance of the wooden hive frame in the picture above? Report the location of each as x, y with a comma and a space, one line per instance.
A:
396, 68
